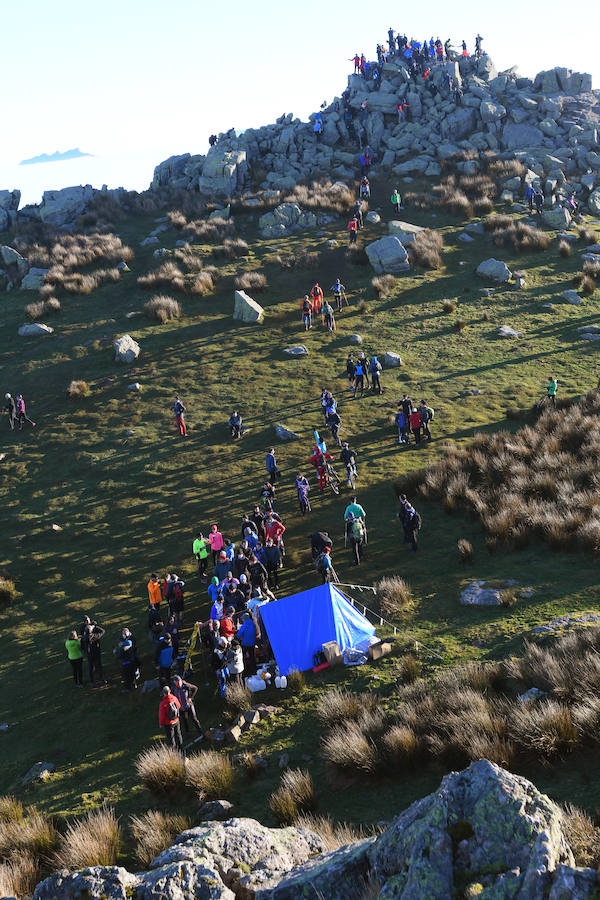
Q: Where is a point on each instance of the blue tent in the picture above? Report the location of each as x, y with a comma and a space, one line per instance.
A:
299, 625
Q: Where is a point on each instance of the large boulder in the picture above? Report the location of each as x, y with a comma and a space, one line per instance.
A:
285, 219
13, 262
490, 111
387, 255
516, 136
556, 218
224, 172
245, 309
9, 204
34, 279
61, 208
169, 170
126, 350
404, 231
494, 270
458, 124
34, 329
391, 359
594, 202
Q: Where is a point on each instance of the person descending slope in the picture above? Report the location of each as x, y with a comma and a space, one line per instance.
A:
179, 409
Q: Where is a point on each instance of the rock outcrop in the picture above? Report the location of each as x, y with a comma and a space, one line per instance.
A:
483, 832
126, 350
387, 255
9, 204
494, 270
245, 309
285, 219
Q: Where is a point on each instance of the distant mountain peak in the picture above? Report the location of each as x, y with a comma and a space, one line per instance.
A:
54, 157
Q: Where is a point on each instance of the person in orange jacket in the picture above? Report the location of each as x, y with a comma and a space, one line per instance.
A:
155, 591
168, 718
317, 297
318, 460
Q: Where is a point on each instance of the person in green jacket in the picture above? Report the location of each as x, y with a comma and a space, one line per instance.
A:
200, 551
396, 200
75, 655
552, 389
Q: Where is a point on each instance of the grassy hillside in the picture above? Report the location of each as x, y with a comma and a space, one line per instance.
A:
129, 495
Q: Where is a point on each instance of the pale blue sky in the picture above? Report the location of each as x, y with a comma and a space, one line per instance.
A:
127, 75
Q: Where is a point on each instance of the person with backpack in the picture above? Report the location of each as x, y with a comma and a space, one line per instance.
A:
348, 458
427, 414
200, 551
248, 634
552, 389
530, 196
356, 533
22, 416
170, 628
411, 522
359, 378
396, 200
306, 311
358, 214
316, 294
179, 409
339, 292
126, 655
91, 635
168, 718
185, 693
235, 425
10, 409
375, 371
415, 424
176, 598
155, 595
402, 423
75, 657
352, 230
329, 316
164, 658
334, 422
319, 461
302, 489
324, 565
365, 188
273, 472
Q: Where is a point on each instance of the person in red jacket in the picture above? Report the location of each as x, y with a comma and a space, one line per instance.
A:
318, 460
273, 528
168, 718
227, 627
352, 230
415, 424
356, 60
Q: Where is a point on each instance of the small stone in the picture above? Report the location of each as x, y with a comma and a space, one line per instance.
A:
35, 329
215, 810
284, 760
355, 339
589, 329
299, 350
160, 252
136, 386
233, 734
132, 314
123, 267
252, 716
147, 242
487, 292
130, 432
466, 238
56, 527
572, 297
475, 391
507, 331
4, 726
494, 269
531, 695
547, 305
285, 434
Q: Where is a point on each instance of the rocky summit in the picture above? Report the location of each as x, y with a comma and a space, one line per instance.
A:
484, 832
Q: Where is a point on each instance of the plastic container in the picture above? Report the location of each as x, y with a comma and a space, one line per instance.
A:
254, 683
283, 682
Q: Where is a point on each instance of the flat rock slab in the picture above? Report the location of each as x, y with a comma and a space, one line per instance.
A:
557, 626
286, 434
245, 309
35, 329
476, 594
387, 255
299, 350
508, 332
572, 297
38, 772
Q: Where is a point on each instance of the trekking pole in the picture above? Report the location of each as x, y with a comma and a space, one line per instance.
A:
345, 298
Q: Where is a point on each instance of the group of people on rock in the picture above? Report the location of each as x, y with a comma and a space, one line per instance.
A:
422, 54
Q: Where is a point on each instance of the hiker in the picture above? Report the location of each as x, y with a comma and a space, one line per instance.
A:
200, 551
356, 60
272, 562
175, 597
427, 414
414, 420
91, 635
365, 188
530, 196
274, 529
350, 371
357, 213
306, 309
319, 461
411, 522
354, 510
302, 489
11, 410
215, 539
75, 657
339, 292
324, 565
478, 41
273, 472
348, 458
396, 200
170, 628
155, 624
356, 533
359, 378
402, 423
258, 520
215, 594
317, 298
248, 634
163, 658
185, 692
155, 591
352, 230
267, 496
222, 567
235, 424
407, 405
465, 52
179, 409
552, 389
125, 653
400, 111
328, 316
318, 128
168, 718
22, 416
258, 573
375, 371
334, 422
362, 359
539, 202
235, 662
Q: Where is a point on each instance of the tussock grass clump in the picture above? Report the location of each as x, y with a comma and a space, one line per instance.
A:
522, 238
210, 231
564, 249
401, 745
340, 704
583, 837
34, 835
238, 697
161, 770
418, 200
299, 259
162, 308
295, 795
52, 305
11, 809
588, 285
202, 284
167, 275
498, 223
591, 268
448, 306
324, 195
210, 775
547, 728
250, 281
425, 250
176, 218
19, 875
483, 206
394, 595
94, 840
384, 285
409, 669
78, 390
348, 748
333, 835
465, 551
74, 251
35, 310
8, 593
295, 681
231, 248
587, 235
460, 324
154, 831
506, 168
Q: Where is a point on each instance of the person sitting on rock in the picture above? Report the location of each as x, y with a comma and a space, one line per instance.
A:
235, 424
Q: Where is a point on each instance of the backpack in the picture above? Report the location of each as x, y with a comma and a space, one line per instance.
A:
177, 594
320, 564
173, 710
305, 306
357, 530
416, 521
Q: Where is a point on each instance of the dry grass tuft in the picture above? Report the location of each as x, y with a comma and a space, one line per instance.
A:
238, 697
459, 324
232, 248
295, 681
394, 596
167, 275
384, 285
520, 237
210, 774
583, 837
35, 310
333, 835
465, 551
94, 840
154, 831
34, 835
323, 195
161, 770
401, 745
19, 875
162, 308
250, 281
564, 249
295, 795
8, 593
448, 306
11, 809
348, 748
587, 235
340, 704
202, 284
425, 250
78, 390
409, 669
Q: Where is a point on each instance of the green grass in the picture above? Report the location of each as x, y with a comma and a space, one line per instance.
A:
131, 504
